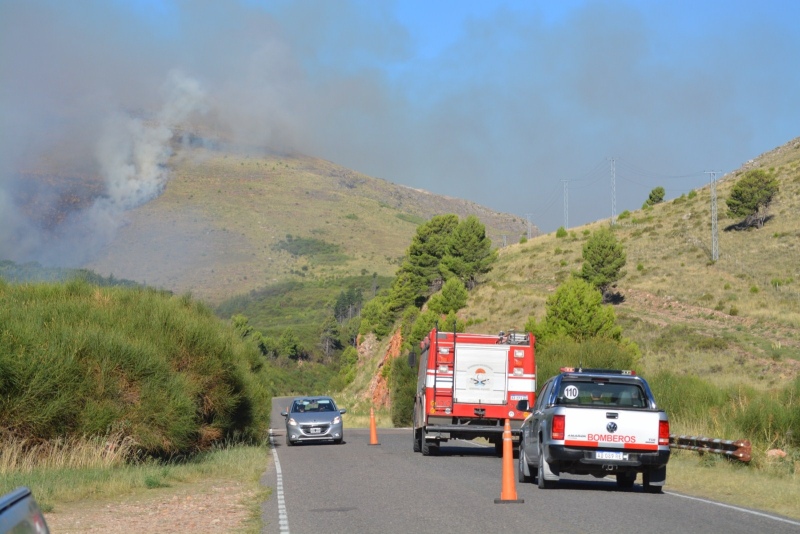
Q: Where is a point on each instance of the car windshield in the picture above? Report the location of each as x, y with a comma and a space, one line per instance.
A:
601, 394
313, 405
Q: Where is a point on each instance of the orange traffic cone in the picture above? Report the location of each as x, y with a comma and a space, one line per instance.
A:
373, 432
508, 494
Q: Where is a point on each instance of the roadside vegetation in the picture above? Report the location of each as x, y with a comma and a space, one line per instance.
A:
106, 389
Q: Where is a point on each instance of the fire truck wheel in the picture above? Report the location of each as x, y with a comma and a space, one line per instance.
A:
429, 449
417, 440
498, 448
523, 466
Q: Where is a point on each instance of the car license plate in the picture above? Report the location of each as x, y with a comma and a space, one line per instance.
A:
609, 455
316, 430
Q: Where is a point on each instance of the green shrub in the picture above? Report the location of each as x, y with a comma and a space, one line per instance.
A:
403, 384
78, 360
594, 353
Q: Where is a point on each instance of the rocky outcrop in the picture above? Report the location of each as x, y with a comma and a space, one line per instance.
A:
378, 390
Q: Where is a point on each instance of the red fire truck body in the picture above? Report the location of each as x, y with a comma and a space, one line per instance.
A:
469, 384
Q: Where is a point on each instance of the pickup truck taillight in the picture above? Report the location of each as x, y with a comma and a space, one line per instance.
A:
663, 433
558, 427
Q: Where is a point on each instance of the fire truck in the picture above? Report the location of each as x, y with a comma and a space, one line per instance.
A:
469, 384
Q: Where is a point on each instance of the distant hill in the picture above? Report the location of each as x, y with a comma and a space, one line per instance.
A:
229, 223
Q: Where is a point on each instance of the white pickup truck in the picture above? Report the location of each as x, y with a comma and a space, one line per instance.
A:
595, 422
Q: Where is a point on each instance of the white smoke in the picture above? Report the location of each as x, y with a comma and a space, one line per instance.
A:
132, 155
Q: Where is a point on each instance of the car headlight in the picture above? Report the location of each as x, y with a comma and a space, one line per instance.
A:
337, 420
292, 422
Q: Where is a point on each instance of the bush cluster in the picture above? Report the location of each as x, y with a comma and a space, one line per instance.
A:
80, 360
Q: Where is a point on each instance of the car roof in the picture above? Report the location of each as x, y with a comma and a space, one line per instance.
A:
313, 398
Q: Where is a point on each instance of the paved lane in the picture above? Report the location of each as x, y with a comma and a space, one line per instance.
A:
355, 487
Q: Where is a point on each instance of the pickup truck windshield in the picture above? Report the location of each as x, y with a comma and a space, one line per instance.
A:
601, 394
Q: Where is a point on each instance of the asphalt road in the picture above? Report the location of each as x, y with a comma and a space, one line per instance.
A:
356, 487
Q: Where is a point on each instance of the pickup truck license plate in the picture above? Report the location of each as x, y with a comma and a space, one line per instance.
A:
609, 455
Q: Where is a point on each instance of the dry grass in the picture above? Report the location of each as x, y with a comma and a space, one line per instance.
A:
86, 470
775, 488
25, 456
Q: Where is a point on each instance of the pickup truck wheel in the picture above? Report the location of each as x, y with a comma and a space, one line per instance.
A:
544, 470
523, 467
648, 487
625, 480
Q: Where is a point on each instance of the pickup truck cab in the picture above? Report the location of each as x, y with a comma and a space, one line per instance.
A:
595, 422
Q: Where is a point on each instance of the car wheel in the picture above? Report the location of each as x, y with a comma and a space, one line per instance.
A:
338, 441
625, 480
289, 442
544, 470
523, 466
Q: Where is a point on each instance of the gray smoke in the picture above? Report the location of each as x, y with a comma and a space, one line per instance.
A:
131, 156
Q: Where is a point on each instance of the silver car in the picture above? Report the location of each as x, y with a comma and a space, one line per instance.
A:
313, 419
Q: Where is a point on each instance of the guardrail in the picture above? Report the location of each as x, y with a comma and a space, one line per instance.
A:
738, 450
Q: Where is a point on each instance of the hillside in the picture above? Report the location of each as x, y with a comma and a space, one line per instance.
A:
734, 320
231, 222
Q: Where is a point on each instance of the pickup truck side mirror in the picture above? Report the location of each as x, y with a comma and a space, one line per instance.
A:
523, 406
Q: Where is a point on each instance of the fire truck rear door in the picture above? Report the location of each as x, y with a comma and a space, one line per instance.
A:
481, 374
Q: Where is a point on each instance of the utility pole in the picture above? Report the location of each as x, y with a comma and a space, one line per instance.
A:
613, 192
714, 231
566, 204
530, 228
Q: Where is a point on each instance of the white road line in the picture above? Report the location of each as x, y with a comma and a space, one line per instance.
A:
283, 517
753, 512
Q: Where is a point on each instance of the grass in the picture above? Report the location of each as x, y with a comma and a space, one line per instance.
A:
82, 470
774, 487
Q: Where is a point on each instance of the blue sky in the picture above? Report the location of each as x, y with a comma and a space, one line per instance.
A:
499, 102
